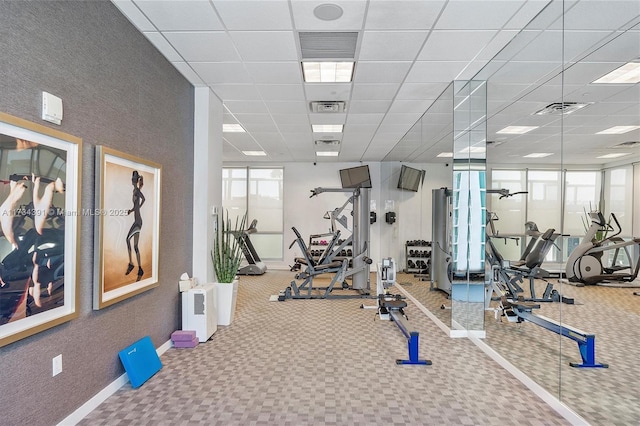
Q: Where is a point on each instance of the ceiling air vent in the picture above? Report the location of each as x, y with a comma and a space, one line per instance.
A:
327, 106
560, 108
629, 144
328, 45
327, 143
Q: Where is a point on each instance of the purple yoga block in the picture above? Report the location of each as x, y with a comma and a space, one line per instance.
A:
183, 336
186, 343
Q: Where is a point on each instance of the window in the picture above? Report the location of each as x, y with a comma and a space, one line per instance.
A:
619, 194
259, 193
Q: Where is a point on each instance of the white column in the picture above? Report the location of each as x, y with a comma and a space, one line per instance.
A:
207, 179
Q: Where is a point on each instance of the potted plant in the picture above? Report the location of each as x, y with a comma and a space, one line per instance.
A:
226, 257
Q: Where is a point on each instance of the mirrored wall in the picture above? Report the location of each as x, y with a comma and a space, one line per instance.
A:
562, 207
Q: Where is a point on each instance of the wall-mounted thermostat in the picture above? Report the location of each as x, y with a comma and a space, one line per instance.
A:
51, 108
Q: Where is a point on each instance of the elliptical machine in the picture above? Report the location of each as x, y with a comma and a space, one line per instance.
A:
592, 261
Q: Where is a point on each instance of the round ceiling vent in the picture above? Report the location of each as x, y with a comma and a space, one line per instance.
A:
328, 12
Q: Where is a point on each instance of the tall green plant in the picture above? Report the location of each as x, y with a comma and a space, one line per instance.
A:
227, 252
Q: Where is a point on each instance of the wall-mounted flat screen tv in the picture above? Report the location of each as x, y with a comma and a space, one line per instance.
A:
410, 178
355, 177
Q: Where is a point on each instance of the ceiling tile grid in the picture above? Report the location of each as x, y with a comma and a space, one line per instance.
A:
406, 53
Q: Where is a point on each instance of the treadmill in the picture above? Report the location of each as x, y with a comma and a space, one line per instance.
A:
255, 265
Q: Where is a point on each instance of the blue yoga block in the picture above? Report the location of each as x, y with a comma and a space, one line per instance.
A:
140, 361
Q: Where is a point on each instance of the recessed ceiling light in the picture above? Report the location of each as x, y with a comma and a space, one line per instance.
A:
327, 153
516, 130
254, 153
538, 155
445, 155
327, 72
327, 128
629, 73
233, 128
617, 130
615, 155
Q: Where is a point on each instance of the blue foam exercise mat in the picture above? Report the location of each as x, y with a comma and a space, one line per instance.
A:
140, 361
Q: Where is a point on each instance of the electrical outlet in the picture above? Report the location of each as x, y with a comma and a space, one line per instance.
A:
57, 365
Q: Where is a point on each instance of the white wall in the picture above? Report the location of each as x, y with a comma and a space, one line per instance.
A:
413, 209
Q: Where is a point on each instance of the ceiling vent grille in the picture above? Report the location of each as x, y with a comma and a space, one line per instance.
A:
560, 108
327, 106
328, 45
327, 143
629, 144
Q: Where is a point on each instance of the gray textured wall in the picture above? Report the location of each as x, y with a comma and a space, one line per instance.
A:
117, 91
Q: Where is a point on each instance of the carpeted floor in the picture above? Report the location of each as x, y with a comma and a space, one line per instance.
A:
328, 362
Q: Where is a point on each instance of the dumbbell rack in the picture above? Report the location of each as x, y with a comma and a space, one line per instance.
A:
318, 244
418, 256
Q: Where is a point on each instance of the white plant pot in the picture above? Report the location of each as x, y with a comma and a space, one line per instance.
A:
226, 296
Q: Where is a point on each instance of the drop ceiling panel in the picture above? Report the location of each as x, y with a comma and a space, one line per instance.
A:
600, 15
221, 73
354, 118
410, 15
247, 107
410, 106
252, 14
477, 15
625, 46
362, 92
180, 15
235, 92
328, 92
404, 118
163, 46
255, 129
263, 46
352, 17
434, 72
135, 15
548, 46
281, 92
188, 73
210, 46
288, 107
298, 119
586, 72
369, 107
381, 72
455, 45
275, 72
391, 45
245, 118
294, 128
421, 90
495, 45
328, 118
525, 72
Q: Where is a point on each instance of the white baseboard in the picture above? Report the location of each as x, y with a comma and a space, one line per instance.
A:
75, 417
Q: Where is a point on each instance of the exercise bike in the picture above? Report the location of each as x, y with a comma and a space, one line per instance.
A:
593, 261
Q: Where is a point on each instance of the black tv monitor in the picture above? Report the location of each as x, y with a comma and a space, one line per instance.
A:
410, 178
355, 177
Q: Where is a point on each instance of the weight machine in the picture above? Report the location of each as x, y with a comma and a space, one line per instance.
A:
327, 262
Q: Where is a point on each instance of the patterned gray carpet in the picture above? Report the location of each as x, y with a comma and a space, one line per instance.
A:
323, 362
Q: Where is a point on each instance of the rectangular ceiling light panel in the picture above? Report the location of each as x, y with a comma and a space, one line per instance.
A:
327, 153
516, 130
629, 73
617, 130
616, 155
327, 72
327, 128
254, 153
233, 128
538, 155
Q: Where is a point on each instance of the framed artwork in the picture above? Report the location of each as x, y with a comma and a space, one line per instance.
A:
39, 210
127, 224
